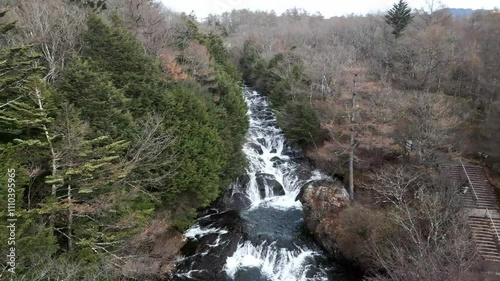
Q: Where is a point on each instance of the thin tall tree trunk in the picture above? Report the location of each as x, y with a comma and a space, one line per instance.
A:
351, 154
52, 151
70, 220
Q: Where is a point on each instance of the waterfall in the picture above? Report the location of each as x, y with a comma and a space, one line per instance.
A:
264, 240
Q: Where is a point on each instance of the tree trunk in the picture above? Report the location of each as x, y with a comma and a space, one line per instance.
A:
351, 154
351, 168
52, 152
70, 220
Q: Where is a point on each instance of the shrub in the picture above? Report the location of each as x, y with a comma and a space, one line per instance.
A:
301, 123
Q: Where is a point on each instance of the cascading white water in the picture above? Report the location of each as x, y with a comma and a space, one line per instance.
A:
265, 151
264, 148
273, 262
274, 180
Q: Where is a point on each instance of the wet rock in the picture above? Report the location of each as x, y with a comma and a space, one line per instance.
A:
270, 181
262, 141
256, 147
269, 126
322, 202
228, 220
238, 201
243, 180
211, 247
303, 173
264, 115
273, 150
294, 153
277, 161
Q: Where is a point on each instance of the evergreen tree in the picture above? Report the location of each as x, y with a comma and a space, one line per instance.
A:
18, 76
301, 123
85, 167
22, 122
201, 154
399, 17
101, 104
117, 52
251, 62
232, 120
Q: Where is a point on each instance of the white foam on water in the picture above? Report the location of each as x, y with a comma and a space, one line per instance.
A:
195, 232
276, 264
279, 202
189, 274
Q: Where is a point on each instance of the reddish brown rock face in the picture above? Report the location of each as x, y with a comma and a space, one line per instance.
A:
154, 251
322, 204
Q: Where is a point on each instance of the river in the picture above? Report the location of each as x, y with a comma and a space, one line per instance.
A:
257, 232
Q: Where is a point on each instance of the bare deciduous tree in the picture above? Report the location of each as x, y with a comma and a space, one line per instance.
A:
54, 26
432, 240
149, 160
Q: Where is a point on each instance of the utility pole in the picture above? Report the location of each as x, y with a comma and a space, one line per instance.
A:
351, 154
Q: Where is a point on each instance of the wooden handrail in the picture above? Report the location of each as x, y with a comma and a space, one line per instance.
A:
493, 224
466, 174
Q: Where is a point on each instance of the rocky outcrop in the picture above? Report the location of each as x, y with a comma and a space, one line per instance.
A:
322, 203
270, 181
152, 253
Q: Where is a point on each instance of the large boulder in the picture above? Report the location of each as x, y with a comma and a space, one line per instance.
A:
262, 141
238, 201
277, 161
256, 147
264, 180
322, 203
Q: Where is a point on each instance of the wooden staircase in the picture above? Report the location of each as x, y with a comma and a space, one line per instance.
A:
481, 196
485, 237
478, 196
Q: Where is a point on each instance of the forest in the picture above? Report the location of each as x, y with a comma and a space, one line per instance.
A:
114, 131
121, 119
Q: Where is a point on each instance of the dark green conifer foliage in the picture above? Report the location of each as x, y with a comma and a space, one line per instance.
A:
4, 27
251, 63
21, 143
200, 152
232, 122
132, 70
220, 55
101, 104
300, 123
399, 17
18, 77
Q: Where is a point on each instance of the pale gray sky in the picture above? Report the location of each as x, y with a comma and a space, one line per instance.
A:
327, 8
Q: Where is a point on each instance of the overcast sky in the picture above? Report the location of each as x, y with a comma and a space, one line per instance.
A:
327, 8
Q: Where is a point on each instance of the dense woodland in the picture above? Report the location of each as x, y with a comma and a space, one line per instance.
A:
119, 118
122, 117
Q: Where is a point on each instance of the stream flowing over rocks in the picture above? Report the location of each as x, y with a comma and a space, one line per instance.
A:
257, 232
